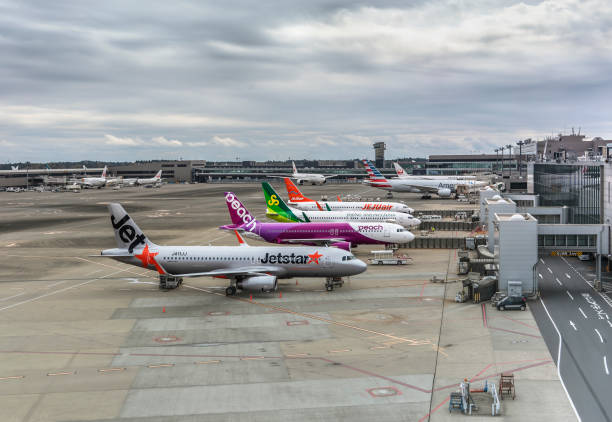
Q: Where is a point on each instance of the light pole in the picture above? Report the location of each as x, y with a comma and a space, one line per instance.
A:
520, 144
496, 160
502, 161
510, 158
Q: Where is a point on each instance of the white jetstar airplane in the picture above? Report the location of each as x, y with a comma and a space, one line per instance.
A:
401, 174
444, 188
302, 203
312, 178
155, 180
256, 268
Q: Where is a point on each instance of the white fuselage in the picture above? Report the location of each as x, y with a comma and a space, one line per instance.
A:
93, 181
312, 178
413, 185
351, 206
288, 261
403, 219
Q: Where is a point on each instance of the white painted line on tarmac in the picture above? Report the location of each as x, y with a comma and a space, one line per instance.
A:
599, 334
61, 290
559, 360
10, 297
549, 270
606, 365
569, 294
609, 323
582, 312
559, 281
540, 276
573, 324
541, 260
567, 275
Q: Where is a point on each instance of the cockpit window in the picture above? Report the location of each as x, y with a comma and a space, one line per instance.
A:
400, 230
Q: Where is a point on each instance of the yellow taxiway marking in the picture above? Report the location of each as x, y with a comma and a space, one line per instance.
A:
206, 362
111, 370
161, 365
54, 374
14, 377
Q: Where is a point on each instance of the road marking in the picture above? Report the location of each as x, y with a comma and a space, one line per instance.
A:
569, 294
549, 270
599, 334
559, 281
559, 361
111, 370
541, 260
606, 365
206, 362
10, 297
14, 377
161, 365
609, 323
567, 275
53, 374
582, 312
573, 325
541, 276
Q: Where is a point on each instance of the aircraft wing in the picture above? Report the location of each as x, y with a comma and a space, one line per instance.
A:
280, 177
324, 241
333, 175
244, 271
429, 189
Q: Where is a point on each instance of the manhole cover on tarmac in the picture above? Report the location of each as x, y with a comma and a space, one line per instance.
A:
384, 392
167, 339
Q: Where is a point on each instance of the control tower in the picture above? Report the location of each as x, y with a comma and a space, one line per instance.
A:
379, 154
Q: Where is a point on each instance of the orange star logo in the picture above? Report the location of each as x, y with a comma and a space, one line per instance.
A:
148, 258
315, 257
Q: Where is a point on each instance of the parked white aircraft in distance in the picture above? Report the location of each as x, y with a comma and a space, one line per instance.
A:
15, 168
312, 178
302, 203
155, 180
255, 268
444, 188
94, 182
402, 174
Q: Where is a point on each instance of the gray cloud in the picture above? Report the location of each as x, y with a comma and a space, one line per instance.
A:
308, 79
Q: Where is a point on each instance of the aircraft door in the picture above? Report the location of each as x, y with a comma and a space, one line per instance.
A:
327, 261
387, 233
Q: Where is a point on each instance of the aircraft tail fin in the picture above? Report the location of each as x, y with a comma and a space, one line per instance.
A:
104, 171
374, 174
399, 170
127, 234
158, 175
294, 193
240, 216
294, 168
276, 205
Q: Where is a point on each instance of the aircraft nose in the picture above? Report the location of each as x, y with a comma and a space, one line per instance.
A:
417, 222
359, 266
409, 237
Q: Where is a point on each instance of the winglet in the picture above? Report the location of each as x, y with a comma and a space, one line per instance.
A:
241, 240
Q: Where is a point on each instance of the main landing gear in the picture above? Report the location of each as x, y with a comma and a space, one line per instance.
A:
230, 291
331, 282
168, 282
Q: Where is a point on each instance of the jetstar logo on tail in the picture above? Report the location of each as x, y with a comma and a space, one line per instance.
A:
148, 258
127, 232
247, 219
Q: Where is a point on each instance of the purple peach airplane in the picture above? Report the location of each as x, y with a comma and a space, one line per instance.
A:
342, 235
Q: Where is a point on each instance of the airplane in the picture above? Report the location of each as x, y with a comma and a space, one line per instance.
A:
302, 203
278, 210
93, 182
155, 180
15, 168
343, 235
312, 178
402, 174
248, 268
444, 188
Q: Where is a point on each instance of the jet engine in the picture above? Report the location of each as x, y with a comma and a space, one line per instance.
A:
343, 245
300, 181
259, 283
444, 193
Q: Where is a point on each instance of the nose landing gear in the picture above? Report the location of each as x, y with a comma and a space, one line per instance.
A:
331, 282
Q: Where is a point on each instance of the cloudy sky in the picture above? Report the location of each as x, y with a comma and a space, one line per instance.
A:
117, 80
